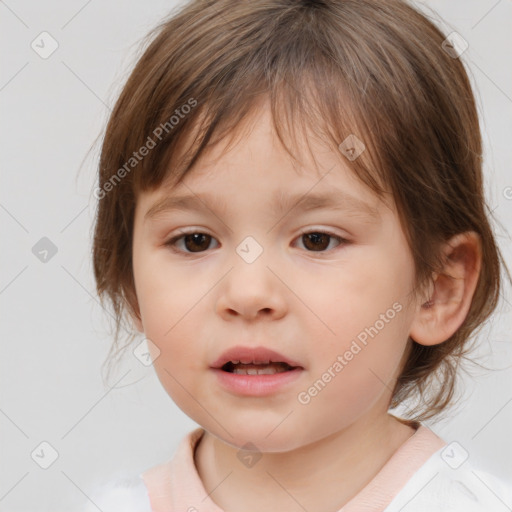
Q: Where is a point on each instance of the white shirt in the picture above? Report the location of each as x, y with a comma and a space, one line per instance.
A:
413, 480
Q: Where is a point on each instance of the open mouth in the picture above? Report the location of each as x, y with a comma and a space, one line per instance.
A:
256, 369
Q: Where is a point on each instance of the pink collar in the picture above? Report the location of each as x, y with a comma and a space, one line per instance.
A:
176, 485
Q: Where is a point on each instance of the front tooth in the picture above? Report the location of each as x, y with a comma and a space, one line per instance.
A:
267, 370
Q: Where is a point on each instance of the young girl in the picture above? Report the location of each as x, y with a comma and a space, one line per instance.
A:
291, 210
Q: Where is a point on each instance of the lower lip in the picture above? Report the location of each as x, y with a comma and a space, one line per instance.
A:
256, 385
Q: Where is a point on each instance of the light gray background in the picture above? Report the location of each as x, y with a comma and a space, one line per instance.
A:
54, 333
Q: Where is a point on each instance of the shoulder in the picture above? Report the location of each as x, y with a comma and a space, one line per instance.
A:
448, 481
127, 495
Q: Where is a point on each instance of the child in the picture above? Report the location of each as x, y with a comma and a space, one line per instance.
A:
291, 210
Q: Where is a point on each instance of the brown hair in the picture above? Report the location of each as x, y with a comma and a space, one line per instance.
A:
376, 69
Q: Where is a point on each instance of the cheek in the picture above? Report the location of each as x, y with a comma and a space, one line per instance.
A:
163, 304
173, 328
161, 291
362, 316
352, 374
345, 301
174, 308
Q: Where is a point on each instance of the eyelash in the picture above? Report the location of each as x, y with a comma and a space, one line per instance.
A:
171, 243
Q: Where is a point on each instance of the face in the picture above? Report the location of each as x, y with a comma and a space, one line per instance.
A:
303, 261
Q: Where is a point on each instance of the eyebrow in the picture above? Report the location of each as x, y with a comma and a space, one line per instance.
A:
282, 204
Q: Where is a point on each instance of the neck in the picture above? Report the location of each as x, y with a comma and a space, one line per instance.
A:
321, 476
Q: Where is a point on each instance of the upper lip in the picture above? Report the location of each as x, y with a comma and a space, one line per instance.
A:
255, 355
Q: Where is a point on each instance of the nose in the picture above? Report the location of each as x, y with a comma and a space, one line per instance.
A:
252, 291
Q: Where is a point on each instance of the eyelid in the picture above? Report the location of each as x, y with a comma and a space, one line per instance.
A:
326, 231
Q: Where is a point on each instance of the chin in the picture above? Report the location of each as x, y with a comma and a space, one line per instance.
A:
263, 436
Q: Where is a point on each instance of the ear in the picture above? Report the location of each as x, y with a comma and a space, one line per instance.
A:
448, 305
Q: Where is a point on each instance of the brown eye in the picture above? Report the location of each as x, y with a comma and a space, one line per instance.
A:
316, 241
193, 242
197, 242
319, 241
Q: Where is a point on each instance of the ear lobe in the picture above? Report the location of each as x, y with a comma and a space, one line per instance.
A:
438, 318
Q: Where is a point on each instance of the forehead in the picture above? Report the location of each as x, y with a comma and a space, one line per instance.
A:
253, 158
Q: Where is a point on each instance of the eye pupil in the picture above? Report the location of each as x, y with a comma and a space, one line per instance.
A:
197, 238
316, 238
